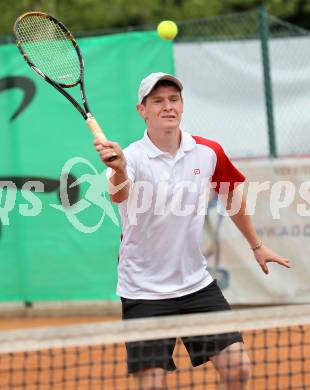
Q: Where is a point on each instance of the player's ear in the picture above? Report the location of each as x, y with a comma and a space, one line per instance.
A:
141, 110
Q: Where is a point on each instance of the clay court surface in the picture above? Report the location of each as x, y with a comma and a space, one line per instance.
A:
281, 366
29, 322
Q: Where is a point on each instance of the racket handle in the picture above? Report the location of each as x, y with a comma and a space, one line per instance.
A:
98, 133
95, 128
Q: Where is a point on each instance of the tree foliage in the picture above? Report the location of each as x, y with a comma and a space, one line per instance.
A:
103, 15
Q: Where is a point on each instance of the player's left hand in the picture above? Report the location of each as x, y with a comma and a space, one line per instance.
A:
264, 255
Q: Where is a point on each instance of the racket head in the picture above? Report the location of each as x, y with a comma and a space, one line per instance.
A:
49, 48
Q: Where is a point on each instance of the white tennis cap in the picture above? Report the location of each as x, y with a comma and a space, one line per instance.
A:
151, 80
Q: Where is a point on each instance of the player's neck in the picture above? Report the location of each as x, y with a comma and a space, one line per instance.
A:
166, 141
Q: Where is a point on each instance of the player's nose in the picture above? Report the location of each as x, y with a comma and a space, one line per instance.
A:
167, 104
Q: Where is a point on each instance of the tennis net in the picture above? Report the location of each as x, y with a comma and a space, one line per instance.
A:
93, 356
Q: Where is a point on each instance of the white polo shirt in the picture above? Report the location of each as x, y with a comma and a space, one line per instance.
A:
162, 220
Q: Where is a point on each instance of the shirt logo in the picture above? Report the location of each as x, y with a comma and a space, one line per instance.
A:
196, 171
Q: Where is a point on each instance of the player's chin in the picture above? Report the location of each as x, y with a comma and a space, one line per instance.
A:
170, 124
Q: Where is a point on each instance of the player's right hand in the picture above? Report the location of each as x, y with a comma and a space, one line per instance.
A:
108, 149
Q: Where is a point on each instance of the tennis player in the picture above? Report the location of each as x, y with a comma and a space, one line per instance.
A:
161, 268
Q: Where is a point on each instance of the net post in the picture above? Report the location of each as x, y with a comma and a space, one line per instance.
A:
264, 36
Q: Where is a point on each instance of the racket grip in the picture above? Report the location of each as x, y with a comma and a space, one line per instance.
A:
97, 132
95, 128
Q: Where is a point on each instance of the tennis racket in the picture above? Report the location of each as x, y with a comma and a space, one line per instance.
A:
51, 51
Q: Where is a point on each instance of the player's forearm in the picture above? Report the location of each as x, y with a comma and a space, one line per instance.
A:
245, 225
119, 186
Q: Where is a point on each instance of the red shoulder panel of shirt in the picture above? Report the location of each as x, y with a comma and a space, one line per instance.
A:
215, 146
226, 176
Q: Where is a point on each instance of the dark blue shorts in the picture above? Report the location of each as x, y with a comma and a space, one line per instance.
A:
158, 353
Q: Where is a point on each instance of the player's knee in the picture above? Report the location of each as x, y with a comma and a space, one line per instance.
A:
151, 386
238, 374
151, 379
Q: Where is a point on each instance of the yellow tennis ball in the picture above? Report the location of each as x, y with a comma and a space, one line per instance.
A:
167, 29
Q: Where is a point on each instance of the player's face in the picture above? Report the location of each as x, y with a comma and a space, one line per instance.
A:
163, 108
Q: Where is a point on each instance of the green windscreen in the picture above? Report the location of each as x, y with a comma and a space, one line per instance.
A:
47, 251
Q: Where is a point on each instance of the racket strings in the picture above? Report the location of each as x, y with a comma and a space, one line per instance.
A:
49, 49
